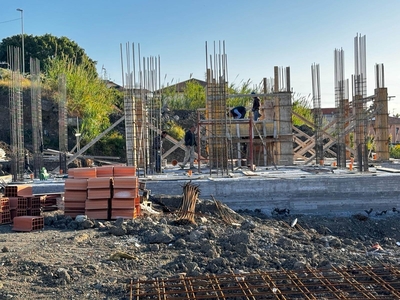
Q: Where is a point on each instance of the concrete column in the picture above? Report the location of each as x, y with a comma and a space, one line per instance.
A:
285, 136
381, 125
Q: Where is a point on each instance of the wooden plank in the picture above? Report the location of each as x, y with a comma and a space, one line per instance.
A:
390, 170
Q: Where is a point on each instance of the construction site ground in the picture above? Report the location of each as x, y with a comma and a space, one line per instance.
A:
245, 254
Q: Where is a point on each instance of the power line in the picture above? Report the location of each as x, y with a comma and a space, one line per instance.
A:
10, 20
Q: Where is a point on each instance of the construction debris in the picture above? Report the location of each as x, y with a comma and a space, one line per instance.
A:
261, 258
226, 213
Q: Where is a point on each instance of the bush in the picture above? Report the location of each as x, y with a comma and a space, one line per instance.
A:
176, 131
111, 145
394, 151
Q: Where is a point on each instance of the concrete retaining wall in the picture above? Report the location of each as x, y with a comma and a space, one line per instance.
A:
304, 195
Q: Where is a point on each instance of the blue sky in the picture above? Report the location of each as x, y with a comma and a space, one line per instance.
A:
258, 34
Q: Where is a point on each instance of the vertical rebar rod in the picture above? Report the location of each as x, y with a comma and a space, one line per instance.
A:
317, 113
341, 107
16, 114
359, 92
36, 110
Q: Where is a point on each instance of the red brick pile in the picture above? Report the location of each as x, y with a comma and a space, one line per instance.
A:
22, 202
19, 204
102, 192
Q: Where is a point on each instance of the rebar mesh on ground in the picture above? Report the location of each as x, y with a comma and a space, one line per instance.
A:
357, 282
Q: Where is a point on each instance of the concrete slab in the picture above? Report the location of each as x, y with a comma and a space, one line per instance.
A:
304, 192
319, 191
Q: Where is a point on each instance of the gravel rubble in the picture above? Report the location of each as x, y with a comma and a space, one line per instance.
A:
93, 259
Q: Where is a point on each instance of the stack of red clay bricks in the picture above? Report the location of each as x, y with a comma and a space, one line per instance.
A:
5, 214
22, 208
21, 201
102, 193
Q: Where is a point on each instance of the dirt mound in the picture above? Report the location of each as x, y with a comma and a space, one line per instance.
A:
97, 259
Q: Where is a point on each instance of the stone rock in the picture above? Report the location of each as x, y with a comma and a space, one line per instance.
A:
117, 230
253, 261
285, 242
300, 265
119, 222
242, 249
334, 241
195, 235
87, 224
180, 243
240, 237
154, 247
248, 225
81, 237
160, 237
80, 218
63, 276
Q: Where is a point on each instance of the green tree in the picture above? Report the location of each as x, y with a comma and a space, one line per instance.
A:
394, 151
45, 48
243, 88
193, 96
302, 106
174, 130
87, 95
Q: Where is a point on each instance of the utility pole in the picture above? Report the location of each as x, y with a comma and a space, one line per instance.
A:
22, 36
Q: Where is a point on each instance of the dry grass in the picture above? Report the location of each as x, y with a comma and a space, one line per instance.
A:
6, 83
